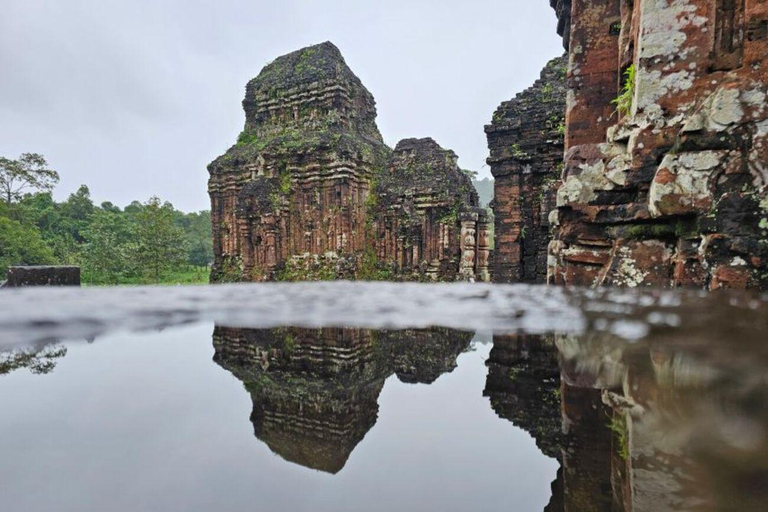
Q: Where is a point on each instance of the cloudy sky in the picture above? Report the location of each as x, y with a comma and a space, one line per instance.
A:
135, 97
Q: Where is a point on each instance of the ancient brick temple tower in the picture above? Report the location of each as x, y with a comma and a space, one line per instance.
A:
297, 196
525, 139
427, 214
666, 144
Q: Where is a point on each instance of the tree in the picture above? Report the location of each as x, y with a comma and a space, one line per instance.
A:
75, 213
106, 251
29, 172
160, 244
22, 245
471, 174
109, 206
197, 231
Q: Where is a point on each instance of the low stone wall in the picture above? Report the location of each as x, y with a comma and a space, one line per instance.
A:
43, 276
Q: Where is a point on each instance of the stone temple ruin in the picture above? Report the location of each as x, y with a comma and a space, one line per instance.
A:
639, 159
427, 214
664, 181
525, 139
666, 148
310, 190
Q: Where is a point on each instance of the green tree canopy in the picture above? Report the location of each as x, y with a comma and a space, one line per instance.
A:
160, 244
145, 242
107, 247
22, 245
29, 172
75, 213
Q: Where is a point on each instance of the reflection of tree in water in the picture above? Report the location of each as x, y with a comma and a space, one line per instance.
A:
315, 391
38, 360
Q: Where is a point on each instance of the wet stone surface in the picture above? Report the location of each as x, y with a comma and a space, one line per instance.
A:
322, 396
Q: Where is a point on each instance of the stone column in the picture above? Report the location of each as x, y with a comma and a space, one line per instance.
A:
467, 245
269, 243
483, 249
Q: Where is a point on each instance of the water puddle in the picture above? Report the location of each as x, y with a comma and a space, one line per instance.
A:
361, 397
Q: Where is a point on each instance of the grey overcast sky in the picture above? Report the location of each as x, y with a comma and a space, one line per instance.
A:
135, 97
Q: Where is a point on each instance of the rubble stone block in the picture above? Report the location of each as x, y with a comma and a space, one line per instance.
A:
43, 276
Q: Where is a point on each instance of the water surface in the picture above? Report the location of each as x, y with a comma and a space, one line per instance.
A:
209, 399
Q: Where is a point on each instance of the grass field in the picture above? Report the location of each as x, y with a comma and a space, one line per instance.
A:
185, 275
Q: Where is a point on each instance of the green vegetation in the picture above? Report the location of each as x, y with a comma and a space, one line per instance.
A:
247, 138
285, 182
144, 243
547, 92
369, 268
679, 229
618, 425
29, 172
22, 243
310, 268
37, 360
231, 270
517, 152
624, 101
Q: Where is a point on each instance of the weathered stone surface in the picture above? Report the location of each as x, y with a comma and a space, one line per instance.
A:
525, 140
427, 218
43, 276
644, 422
674, 185
297, 180
296, 193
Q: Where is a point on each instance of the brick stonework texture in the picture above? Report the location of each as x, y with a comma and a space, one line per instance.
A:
310, 190
671, 189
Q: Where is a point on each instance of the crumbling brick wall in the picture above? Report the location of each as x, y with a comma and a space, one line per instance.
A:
525, 139
665, 178
427, 220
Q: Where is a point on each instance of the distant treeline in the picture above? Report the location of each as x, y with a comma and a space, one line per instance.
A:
484, 189
149, 242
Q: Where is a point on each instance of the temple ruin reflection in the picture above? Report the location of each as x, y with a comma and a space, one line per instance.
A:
658, 424
315, 391
663, 424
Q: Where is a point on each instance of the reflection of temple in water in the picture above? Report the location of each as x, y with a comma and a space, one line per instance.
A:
523, 385
636, 427
647, 426
315, 391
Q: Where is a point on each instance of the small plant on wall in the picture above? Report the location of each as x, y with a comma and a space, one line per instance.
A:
624, 100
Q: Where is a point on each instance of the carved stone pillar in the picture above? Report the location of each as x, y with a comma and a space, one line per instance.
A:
483, 249
468, 245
